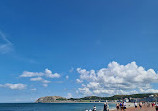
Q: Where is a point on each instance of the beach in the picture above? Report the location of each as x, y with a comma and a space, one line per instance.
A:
144, 108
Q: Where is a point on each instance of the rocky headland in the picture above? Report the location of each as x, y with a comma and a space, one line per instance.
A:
50, 99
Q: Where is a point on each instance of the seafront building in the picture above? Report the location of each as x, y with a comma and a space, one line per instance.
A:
151, 98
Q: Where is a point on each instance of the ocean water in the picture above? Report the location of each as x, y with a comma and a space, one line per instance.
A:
51, 106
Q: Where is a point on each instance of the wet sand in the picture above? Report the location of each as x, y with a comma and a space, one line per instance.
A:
144, 108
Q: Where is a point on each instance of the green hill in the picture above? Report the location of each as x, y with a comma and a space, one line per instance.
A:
115, 97
50, 99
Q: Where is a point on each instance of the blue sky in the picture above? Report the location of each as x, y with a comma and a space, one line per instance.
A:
63, 36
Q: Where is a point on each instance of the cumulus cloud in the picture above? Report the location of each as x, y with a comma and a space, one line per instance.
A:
69, 95
79, 81
38, 76
14, 86
36, 79
117, 79
40, 79
31, 74
5, 46
47, 73
149, 90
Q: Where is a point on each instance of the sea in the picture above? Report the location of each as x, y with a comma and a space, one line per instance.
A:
52, 106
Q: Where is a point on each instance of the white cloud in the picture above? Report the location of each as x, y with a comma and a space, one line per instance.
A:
31, 74
69, 95
40, 79
14, 86
6, 46
38, 76
47, 73
36, 79
149, 91
67, 77
116, 79
79, 81
85, 91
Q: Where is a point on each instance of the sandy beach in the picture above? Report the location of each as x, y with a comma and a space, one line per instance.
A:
144, 108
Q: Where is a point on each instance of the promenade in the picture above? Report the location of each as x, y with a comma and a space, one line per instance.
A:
144, 108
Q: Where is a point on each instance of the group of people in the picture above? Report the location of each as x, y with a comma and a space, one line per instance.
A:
148, 104
121, 106
136, 105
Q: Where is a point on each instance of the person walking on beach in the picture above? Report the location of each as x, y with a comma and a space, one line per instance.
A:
94, 108
140, 105
124, 106
121, 106
156, 106
117, 106
135, 104
106, 107
153, 104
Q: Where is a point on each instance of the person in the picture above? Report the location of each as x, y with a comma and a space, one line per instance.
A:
153, 104
135, 104
140, 105
105, 107
156, 106
120, 106
117, 106
94, 108
90, 110
124, 105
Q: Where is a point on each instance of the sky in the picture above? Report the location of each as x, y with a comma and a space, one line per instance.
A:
77, 48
